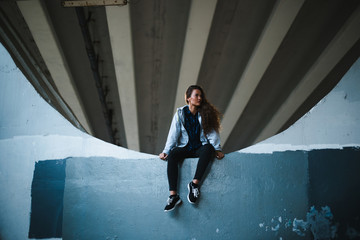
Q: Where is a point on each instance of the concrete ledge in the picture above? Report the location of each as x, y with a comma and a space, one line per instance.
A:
108, 198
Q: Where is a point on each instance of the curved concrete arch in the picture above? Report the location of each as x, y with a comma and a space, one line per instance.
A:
74, 186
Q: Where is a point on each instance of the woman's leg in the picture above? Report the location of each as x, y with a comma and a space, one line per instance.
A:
176, 155
206, 153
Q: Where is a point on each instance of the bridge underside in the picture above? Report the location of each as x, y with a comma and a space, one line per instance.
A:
59, 182
120, 72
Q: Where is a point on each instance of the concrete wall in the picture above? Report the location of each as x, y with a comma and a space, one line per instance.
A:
30, 131
94, 190
239, 193
332, 123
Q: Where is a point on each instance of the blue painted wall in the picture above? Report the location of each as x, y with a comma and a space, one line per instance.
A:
335, 182
108, 198
47, 195
244, 196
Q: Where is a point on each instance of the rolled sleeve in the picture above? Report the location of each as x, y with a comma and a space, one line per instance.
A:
214, 139
173, 135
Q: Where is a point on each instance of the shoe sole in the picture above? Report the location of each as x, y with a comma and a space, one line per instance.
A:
177, 203
189, 195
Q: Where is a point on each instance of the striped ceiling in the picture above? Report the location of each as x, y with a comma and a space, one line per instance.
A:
119, 72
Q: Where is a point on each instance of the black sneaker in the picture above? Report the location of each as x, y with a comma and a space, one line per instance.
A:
172, 201
194, 192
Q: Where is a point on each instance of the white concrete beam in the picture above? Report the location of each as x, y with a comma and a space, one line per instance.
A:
199, 23
121, 44
44, 35
334, 52
274, 32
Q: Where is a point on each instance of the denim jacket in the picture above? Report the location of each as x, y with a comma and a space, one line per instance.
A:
178, 136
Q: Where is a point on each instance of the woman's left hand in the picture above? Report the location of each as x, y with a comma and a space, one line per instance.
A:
219, 155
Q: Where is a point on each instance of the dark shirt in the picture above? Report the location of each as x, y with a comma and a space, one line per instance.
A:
192, 127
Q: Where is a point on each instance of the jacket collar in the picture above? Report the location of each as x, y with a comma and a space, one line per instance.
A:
180, 111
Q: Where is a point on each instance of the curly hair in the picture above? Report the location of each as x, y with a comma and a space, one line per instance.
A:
209, 114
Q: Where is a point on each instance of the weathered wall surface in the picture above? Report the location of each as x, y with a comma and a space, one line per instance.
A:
108, 198
244, 196
100, 191
334, 182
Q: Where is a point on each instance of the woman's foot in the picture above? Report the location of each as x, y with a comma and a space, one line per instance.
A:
172, 202
194, 192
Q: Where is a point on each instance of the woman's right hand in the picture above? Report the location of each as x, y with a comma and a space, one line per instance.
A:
163, 156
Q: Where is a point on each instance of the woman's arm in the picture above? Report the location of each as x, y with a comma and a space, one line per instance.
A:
214, 139
172, 136
163, 156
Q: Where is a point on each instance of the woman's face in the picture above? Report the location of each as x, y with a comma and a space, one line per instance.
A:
195, 98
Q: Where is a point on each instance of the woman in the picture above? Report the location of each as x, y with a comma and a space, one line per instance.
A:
194, 132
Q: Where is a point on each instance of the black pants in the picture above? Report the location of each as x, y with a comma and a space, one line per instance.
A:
205, 153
